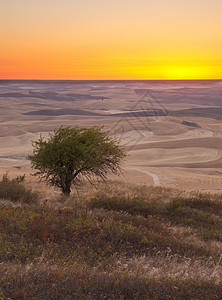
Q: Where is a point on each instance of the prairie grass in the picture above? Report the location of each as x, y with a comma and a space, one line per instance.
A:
74, 282
179, 209
114, 241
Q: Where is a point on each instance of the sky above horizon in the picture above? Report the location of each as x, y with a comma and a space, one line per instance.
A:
115, 39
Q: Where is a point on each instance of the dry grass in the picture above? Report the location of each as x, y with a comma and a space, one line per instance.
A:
113, 241
129, 281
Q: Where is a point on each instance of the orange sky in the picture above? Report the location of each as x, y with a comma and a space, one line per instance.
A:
118, 39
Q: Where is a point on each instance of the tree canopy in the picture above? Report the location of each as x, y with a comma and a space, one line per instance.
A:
73, 153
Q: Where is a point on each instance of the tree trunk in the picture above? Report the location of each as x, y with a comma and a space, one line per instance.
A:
66, 189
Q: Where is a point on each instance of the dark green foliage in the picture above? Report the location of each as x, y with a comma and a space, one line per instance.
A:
14, 190
70, 154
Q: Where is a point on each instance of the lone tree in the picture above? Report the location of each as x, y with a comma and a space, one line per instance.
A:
71, 154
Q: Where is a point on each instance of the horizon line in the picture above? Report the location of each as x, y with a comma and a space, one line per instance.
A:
187, 79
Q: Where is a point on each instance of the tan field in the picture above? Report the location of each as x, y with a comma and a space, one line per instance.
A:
172, 130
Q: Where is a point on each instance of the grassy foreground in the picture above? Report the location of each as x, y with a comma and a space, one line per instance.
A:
116, 242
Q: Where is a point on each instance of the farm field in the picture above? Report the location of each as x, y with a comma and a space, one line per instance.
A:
172, 130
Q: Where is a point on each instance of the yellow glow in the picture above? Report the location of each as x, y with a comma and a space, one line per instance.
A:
184, 72
115, 39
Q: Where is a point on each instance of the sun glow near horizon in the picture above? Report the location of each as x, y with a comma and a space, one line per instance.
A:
111, 40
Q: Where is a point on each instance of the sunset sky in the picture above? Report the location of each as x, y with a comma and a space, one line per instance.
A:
111, 39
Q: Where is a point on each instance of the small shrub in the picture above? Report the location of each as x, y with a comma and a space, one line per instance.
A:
20, 178
14, 190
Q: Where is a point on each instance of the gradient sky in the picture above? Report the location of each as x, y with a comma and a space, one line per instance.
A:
111, 39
